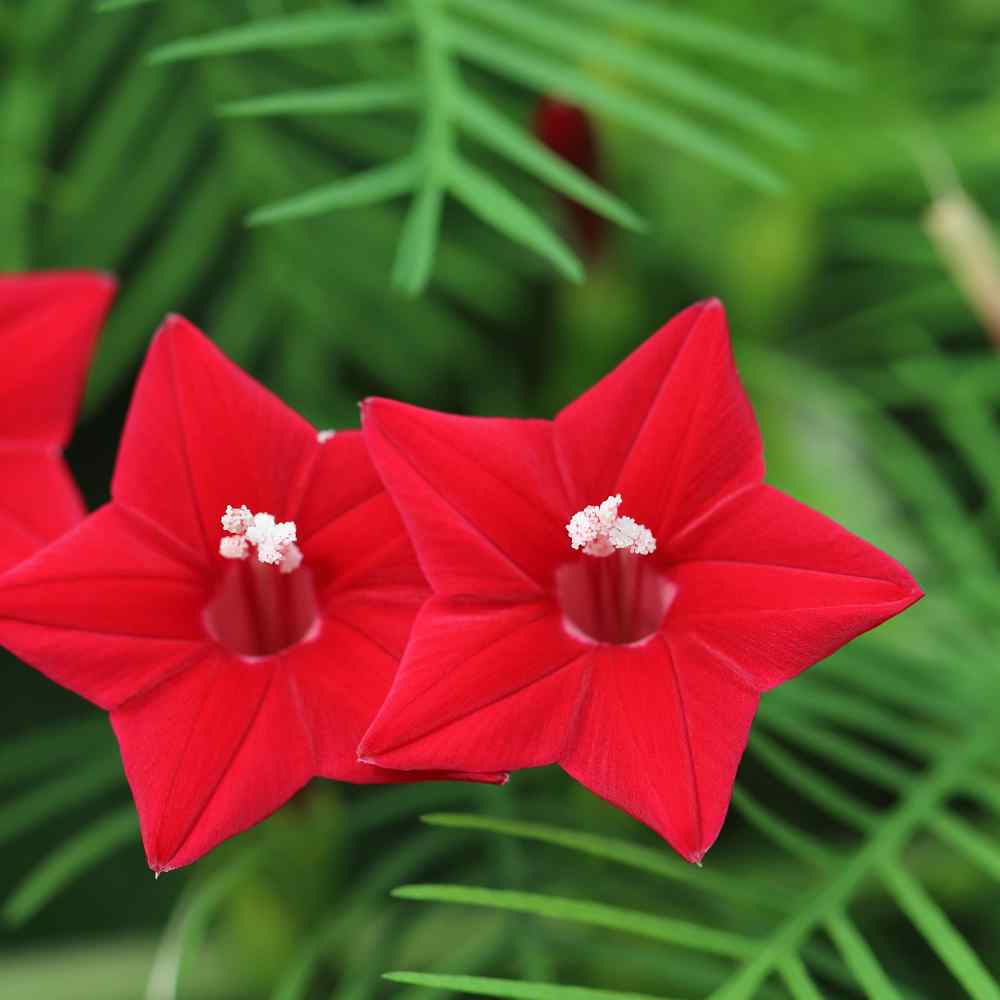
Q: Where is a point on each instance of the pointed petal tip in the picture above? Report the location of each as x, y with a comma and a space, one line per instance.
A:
175, 322
371, 406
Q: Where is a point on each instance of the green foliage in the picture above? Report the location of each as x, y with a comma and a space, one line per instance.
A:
445, 33
861, 857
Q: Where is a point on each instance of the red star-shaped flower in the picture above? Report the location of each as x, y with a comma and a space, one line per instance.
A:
239, 607
48, 325
614, 589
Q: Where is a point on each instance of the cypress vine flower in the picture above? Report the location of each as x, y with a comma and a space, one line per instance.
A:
615, 589
49, 322
239, 607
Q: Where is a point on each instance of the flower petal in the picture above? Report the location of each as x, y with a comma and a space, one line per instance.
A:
341, 679
350, 531
48, 324
481, 688
209, 753
660, 735
771, 586
482, 498
670, 429
107, 610
38, 502
202, 434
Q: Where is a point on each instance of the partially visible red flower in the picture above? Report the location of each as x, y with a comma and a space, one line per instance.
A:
566, 129
49, 322
239, 607
613, 590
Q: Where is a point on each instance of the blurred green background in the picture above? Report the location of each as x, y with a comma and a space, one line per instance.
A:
782, 157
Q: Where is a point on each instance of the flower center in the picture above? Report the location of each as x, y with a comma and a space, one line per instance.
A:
265, 600
616, 596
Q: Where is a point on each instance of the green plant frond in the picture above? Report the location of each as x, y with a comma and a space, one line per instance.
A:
510, 989
494, 131
48, 747
782, 833
703, 34
358, 98
624, 853
493, 203
965, 839
644, 116
547, 56
88, 780
107, 6
676, 932
374, 185
306, 29
861, 961
955, 753
590, 47
939, 932
68, 861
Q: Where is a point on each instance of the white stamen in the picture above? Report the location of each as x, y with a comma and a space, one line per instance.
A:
291, 560
599, 531
236, 520
273, 540
233, 547
324, 436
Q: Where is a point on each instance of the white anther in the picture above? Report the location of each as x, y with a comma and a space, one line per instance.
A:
233, 547
273, 540
291, 560
236, 520
599, 531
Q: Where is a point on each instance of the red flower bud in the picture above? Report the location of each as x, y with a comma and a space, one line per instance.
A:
566, 130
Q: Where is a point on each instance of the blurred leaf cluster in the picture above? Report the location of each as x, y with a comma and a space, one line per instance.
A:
410, 240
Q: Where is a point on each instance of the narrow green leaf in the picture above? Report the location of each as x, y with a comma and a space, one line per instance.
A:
358, 98
940, 933
678, 932
810, 783
620, 851
82, 784
782, 833
554, 77
307, 28
68, 861
417, 853
496, 206
983, 851
855, 757
45, 747
860, 959
845, 708
376, 184
706, 35
667, 76
169, 270
415, 256
800, 984
509, 989
104, 6
190, 920
497, 133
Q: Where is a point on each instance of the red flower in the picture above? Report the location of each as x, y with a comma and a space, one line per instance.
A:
566, 130
48, 325
633, 651
232, 673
